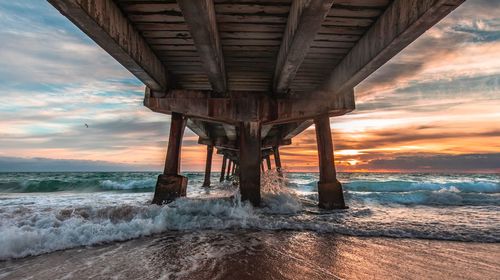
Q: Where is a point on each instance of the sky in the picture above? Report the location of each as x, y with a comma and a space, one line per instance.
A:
435, 107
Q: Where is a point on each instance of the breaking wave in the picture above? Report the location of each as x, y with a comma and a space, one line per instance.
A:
404, 186
80, 182
37, 223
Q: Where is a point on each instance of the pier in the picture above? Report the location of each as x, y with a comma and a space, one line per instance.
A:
249, 76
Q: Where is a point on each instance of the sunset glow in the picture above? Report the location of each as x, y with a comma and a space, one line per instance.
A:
433, 107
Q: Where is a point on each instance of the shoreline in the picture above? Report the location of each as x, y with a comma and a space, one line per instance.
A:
275, 254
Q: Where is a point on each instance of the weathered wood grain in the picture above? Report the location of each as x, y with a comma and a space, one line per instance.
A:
251, 9
250, 158
357, 12
304, 21
247, 106
201, 19
251, 27
150, 7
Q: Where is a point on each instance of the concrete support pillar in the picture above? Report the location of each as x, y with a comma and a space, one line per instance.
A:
249, 161
262, 169
268, 161
228, 169
208, 166
277, 160
170, 184
223, 169
233, 169
329, 188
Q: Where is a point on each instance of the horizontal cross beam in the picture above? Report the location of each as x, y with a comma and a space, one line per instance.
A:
247, 106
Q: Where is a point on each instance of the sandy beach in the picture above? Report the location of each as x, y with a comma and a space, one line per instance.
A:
264, 255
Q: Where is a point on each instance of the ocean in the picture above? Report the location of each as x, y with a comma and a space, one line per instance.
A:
96, 218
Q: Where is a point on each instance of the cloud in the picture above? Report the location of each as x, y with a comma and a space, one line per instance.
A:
438, 97
463, 46
15, 164
39, 46
437, 163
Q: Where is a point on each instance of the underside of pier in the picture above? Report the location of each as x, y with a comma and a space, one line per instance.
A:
248, 76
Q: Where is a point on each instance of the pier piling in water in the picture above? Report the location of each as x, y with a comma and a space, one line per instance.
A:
329, 188
223, 168
228, 175
246, 80
171, 184
277, 160
250, 159
208, 166
268, 162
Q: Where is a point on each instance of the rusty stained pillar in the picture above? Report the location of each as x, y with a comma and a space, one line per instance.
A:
229, 169
170, 184
223, 168
249, 161
208, 166
329, 188
268, 162
277, 160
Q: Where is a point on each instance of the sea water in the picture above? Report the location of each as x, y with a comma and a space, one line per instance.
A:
46, 212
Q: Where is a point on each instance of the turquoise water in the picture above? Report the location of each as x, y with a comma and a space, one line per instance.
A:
44, 212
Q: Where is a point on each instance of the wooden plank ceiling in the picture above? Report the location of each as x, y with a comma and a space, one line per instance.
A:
251, 33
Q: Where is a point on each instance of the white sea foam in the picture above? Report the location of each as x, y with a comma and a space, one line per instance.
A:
37, 223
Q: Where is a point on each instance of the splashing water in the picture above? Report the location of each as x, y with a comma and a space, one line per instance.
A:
44, 212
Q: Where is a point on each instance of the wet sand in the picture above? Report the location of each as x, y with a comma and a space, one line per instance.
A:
243, 254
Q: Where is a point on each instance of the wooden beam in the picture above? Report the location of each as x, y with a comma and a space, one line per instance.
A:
103, 21
265, 130
245, 106
200, 17
231, 155
230, 131
198, 128
296, 128
401, 23
304, 21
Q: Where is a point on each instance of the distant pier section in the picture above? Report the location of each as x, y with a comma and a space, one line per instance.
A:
248, 76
